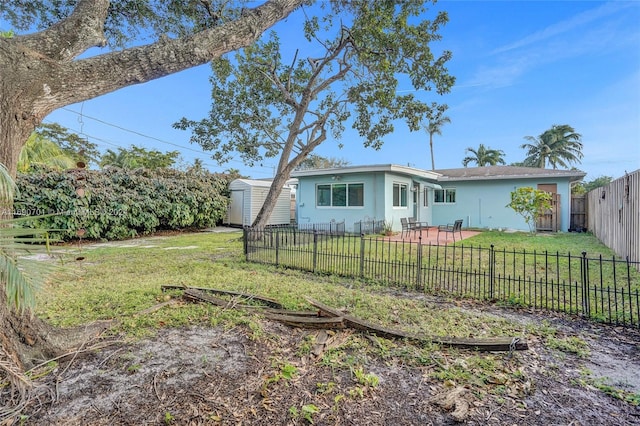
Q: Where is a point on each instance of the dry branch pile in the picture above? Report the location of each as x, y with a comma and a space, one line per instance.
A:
327, 317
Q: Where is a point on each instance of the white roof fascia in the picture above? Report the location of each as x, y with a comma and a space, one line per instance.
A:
572, 177
391, 168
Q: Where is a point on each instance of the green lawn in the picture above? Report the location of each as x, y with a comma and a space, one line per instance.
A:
120, 281
569, 242
572, 273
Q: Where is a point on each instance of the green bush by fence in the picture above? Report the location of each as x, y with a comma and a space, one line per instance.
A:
116, 204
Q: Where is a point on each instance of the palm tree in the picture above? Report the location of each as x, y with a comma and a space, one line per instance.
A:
484, 156
122, 159
42, 151
20, 278
558, 146
436, 121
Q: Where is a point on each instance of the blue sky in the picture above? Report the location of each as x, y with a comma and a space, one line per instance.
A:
520, 67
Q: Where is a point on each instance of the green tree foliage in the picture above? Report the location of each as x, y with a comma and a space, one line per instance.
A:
584, 187
117, 203
531, 204
136, 157
78, 148
435, 119
129, 21
269, 103
52, 61
314, 161
483, 156
40, 151
558, 146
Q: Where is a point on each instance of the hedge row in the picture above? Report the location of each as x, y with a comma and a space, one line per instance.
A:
115, 204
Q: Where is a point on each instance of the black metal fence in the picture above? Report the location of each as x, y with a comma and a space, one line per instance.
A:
368, 227
332, 228
604, 289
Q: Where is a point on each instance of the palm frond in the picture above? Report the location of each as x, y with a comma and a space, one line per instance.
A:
20, 277
7, 186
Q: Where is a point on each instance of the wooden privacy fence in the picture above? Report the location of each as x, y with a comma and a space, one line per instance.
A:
614, 215
578, 222
606, 290
550, 219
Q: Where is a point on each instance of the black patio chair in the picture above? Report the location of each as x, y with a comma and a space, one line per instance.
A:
451, 229
418, 226
406, 228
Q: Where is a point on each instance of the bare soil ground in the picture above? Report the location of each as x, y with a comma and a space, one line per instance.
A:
202, 376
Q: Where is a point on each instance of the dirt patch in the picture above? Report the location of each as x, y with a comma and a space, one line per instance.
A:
202, 375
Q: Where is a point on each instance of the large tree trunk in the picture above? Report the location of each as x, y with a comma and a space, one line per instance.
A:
270, 201
40, 73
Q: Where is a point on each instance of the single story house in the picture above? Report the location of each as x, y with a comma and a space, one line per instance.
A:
478, 195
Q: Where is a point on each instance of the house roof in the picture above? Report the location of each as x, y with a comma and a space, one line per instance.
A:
451, 175
392, 168
506, 172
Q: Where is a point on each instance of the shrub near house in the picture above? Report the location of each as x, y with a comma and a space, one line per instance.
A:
115, 203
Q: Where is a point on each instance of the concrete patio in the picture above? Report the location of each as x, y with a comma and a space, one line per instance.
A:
430, 236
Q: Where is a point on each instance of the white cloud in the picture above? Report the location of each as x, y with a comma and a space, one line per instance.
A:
555, 43
566, 25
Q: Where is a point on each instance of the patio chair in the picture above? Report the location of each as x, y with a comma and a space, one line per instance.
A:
406, 228
451, 229
418, 226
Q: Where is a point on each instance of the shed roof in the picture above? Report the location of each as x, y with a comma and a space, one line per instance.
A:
255, 183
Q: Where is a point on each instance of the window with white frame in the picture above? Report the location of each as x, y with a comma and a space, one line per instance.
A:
399, 195
425, 197
444, 196
340, 195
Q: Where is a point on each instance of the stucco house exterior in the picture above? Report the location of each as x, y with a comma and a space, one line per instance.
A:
481, 194
356, 193
478, 195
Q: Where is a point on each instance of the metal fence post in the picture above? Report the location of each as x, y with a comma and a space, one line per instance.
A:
277, 247
492, 271
419, 265
584, 278
245, 246
315, 249
361, 255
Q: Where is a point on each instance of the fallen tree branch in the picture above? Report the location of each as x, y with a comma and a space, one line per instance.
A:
307, 322
155, 308
327, 317
269, 302
487, 344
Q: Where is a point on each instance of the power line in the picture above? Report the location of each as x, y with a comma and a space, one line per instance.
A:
107, 142
82, 115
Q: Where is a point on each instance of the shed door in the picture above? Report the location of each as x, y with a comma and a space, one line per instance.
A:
235, 207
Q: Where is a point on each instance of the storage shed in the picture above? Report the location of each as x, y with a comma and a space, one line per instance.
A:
247, 197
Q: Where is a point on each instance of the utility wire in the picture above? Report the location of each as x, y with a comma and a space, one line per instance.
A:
115, 145
82, 115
